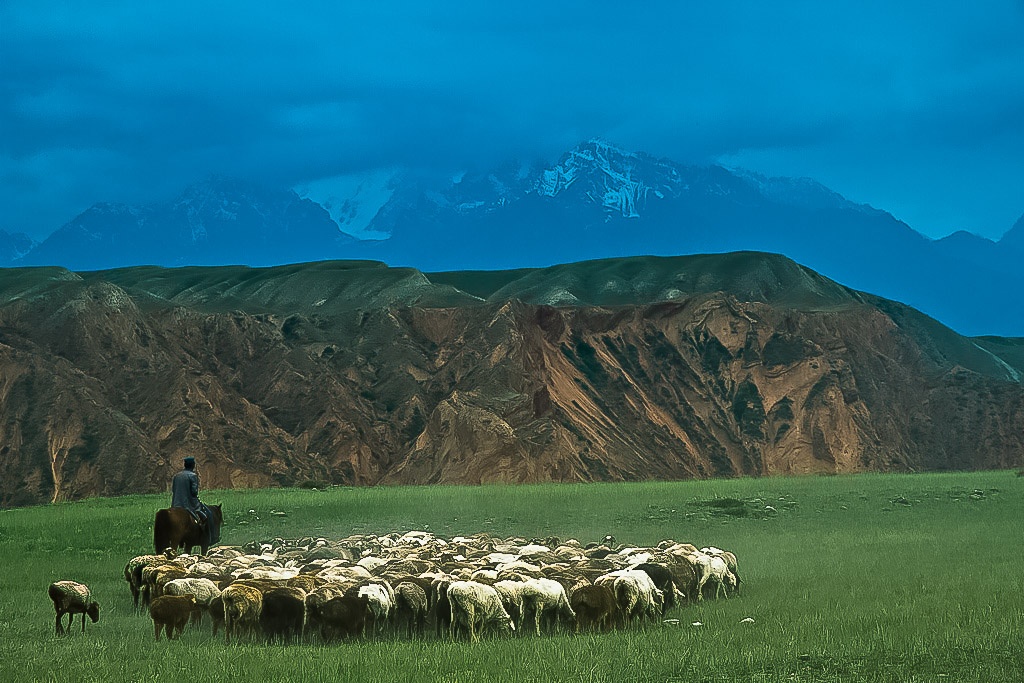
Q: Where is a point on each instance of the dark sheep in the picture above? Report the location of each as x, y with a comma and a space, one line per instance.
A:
344, 616
172, 612
595, 607
662, 578
217, 614
685, 576
440, 605
284, 613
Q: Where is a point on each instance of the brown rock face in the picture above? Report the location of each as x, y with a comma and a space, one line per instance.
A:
360, 374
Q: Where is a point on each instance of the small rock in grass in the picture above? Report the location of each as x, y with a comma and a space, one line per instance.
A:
671, 622
696, 623
748, 620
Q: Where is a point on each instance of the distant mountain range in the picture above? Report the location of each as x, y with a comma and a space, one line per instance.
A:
355, 373
597, 201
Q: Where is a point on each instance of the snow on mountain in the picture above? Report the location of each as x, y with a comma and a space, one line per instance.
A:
622, 182
14, 246
353, 200
799, 192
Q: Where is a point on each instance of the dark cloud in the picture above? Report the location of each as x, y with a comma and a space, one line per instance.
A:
913, 107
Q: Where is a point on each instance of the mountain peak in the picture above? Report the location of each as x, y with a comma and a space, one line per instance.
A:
620, 181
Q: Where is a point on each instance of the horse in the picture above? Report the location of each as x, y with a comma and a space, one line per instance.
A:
176, 528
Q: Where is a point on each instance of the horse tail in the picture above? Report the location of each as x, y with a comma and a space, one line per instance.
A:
161, 531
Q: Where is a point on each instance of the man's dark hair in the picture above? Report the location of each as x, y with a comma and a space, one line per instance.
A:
190, 463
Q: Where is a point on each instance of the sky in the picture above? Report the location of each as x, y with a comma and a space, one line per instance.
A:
913, 107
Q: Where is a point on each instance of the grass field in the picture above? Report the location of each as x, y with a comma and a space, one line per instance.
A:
853, 578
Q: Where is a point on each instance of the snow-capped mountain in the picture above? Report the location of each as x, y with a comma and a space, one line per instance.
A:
217, 221
599, 201
352, 201
596, 201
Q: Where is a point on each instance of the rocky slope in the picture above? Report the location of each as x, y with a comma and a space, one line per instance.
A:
355, 373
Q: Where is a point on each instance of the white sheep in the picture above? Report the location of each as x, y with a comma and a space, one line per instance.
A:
476, 605
71, 597
546, 595
381, 597
203, 590
713, 568
635, 593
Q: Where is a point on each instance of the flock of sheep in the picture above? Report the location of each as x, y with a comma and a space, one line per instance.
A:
412, 584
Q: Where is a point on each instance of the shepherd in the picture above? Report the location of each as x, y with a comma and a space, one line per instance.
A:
185, 494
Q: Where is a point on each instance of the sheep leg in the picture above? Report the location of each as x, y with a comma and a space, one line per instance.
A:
471, 622
60, 623
700, 586
473, 635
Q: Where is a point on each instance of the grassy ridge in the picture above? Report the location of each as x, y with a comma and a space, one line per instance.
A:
873, 577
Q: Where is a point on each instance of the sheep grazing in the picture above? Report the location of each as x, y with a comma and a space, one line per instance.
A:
730, 561
172, 612
133, 572
662, 578
216, 614
242, 607
547, 596
204, 591
396, 583
411, 606
71, 598
595, 607
343, 616
476, 605
511, 594
635, 593
715, 570
382, 601
284, 613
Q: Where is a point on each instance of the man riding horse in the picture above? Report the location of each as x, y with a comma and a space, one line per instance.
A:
185, 494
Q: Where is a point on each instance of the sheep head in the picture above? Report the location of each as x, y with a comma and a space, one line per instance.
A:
93, 610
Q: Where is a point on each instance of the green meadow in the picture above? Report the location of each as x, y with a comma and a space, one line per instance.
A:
847, 578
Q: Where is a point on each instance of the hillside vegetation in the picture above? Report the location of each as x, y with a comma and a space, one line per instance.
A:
355, 373
848, 578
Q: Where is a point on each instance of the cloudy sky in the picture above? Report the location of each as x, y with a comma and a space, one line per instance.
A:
913, 107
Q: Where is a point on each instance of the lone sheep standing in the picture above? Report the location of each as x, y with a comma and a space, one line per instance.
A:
71, 597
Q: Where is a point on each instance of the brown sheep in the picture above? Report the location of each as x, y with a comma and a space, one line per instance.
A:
595, 607
216, 613
343, 616
172, 612
71, 598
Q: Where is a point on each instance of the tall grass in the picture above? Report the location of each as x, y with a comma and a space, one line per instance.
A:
856, 578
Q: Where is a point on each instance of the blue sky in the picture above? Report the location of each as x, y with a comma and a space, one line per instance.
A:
913, 107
